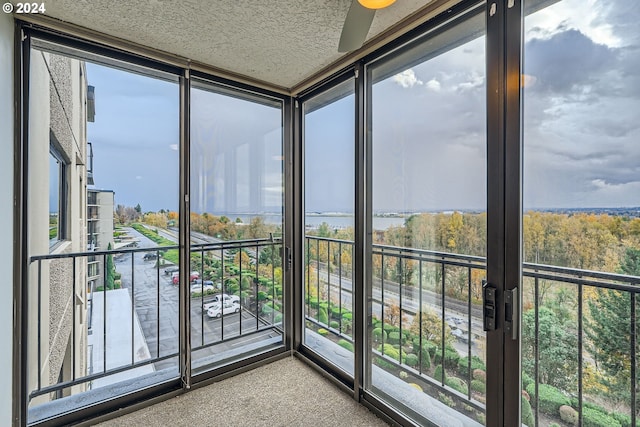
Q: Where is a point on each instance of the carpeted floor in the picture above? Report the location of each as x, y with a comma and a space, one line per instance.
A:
283, 393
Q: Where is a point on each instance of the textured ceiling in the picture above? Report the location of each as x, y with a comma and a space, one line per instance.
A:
281, 42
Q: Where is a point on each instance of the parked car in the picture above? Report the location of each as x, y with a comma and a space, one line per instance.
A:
216, 300
227, 308
171, 269
150, 256
175, 277
201, 288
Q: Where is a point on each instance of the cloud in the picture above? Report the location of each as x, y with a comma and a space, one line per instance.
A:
566, 62
138, 177
433, 85
174, 147
407, 79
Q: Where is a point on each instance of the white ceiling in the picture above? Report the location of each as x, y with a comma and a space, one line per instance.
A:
280, 42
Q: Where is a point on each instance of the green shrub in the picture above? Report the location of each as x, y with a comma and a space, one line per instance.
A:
426, 358
438, 373
347, 315
527, 413
550, 399
335, 312
416, 344
313, 302
431, 346
446, 399
262, 296
383, 363
594, 418
278, 318
457, 384
389, 327
334, 324
568, 415
379, 335
233, 288
623, 419
323, 332
322, 315
389, 350
451, 357
463, 365
411, 360
479, 386
394, 337
346, 344
526, 380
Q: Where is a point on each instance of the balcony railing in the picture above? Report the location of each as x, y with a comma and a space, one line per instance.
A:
127, 323
409, 286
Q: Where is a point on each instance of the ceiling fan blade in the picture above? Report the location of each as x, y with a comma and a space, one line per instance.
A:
356, 27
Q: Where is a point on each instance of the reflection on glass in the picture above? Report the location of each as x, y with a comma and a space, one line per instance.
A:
329, 209
428, 140
236, 277
98, 319
581, 186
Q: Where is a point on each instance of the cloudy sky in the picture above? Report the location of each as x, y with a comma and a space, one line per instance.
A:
581, 128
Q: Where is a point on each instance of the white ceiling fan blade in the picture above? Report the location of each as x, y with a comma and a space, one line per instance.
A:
356, 27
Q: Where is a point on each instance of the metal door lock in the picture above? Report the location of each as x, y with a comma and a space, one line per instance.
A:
489, 307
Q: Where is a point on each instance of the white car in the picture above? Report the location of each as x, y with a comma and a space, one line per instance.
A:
216, 300
228, 308
201, 288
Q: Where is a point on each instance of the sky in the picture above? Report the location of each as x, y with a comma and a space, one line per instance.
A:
581, 129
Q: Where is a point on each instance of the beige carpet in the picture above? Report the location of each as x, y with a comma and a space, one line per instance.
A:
284, 393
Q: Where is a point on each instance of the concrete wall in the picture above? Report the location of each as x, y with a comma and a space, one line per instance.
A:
6, 213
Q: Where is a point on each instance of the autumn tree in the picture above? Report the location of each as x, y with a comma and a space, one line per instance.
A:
609, 331
430, 326
393, 315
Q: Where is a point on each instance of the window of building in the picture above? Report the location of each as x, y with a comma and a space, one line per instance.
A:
57, 211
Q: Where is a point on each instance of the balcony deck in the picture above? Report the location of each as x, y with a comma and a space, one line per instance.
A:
283, 393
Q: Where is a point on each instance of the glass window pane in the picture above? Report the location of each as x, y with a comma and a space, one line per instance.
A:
426, 347
236, 223
581, 186
329, 129
104, 321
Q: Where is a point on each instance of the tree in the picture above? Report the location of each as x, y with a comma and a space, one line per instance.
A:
393, 315
609, 331
431, 327
557, 343
109, 271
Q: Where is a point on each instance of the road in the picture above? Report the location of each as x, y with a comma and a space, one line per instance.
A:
454, 309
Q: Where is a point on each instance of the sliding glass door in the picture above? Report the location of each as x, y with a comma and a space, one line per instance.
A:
425, 344
581, 243
235, 278
329, 197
